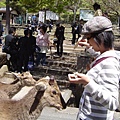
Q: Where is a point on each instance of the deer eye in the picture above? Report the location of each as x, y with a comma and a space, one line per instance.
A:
54, 92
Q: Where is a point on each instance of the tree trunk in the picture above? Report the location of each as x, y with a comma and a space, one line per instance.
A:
74, 19
45, 17
7, 16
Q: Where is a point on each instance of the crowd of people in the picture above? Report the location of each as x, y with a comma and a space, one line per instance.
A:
23, 53
18, 50
28, 50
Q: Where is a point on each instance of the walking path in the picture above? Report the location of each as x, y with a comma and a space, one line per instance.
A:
70, 113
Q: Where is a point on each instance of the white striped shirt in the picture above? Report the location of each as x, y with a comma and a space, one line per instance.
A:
100, 96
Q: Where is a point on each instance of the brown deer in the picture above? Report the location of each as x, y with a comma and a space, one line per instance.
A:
21, 80
44, 93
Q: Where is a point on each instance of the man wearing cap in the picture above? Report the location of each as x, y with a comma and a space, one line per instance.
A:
101, 82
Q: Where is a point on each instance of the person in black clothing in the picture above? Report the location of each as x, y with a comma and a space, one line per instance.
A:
50, 25
11, 49
8, 40
1, 31
79, 28
14, 51
59, 33
74, 32
23, 45
32, 46
14, 54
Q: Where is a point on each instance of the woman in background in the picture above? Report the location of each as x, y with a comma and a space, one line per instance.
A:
42, 41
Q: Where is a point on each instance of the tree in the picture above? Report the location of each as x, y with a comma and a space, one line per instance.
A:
73, 5
2, 3
61, 6
112, 6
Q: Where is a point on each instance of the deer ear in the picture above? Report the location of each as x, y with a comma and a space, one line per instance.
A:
51, 80
41, 86
47, 77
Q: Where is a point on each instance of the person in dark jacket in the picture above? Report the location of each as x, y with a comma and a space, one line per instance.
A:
23, 46
32, 46
79, 28
59, 33
8, 40
11, 49
1, 31
74, 32
14, 51
14, 54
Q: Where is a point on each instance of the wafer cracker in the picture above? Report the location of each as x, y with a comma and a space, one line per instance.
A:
76, 45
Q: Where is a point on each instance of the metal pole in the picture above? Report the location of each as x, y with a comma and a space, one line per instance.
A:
7, 16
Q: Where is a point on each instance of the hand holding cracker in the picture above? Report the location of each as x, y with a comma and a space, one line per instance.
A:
81, 42
78, 78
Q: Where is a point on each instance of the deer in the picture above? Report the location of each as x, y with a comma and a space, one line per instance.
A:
45, 92
21, 80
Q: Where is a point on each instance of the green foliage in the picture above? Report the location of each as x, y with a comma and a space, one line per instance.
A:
69, 17
63, 7
37, 5
2, 3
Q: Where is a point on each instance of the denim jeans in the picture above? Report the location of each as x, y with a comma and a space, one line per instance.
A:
41, 58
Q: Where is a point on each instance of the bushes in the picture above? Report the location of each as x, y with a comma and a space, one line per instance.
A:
68, 17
